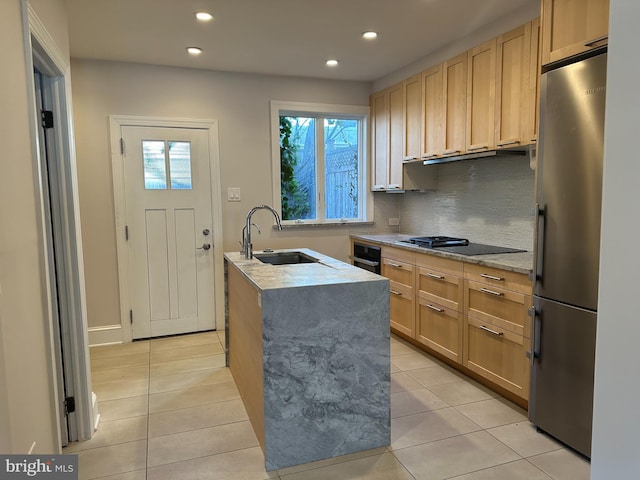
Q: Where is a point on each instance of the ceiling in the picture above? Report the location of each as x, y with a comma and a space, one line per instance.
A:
277, 37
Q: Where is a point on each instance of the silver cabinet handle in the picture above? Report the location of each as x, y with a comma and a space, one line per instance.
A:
491, 277
595, 40
393, 186
491, 292
205, 246
477, 147
439, 310
424, 156
433, 275
482, 327
393, 292
507, 143
395, 265
449, 152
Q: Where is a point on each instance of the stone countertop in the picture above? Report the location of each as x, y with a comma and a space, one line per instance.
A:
327, 271
514, 262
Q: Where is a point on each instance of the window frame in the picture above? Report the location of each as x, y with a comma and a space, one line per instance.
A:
365, 205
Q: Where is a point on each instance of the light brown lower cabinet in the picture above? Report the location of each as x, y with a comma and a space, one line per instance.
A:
497, 355
440, 328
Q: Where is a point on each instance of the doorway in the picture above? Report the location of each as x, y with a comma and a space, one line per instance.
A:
167, 199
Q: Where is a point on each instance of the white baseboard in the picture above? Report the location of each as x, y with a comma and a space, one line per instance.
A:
106, 335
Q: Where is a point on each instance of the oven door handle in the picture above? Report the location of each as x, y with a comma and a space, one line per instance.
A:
364, 261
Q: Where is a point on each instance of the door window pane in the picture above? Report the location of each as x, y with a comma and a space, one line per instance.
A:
341, 168
155, 171
298, 167
180, 165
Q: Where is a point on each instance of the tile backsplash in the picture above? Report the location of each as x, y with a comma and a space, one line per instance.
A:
486, 200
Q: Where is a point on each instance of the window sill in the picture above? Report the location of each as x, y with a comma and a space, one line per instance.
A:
292, 226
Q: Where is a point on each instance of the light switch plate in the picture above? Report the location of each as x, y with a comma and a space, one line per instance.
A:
233, 194
394, 221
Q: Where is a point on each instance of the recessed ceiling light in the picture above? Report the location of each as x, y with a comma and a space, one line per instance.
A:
194, 50
369, 35
332, 63
204, 16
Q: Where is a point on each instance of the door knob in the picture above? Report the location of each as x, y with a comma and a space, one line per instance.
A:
205, 246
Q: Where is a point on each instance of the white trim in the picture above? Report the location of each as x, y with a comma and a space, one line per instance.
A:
116, 122
278, 107
41, 46
107, 335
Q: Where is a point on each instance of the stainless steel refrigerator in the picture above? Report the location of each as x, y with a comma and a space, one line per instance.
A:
567, 250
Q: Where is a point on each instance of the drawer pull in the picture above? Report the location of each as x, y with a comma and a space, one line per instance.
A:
482, 327
491, 277
491, 292
433, 275
439, 310
393, 292
395, 265
450, 152
507, 143
595, 40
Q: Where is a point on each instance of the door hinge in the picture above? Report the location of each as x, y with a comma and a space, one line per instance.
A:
47, 118
126, 232
122, 146
69, 405
131, 317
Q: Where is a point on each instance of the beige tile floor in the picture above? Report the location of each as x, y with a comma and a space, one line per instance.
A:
171, 410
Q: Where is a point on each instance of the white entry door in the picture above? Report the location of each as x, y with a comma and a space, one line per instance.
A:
169, 228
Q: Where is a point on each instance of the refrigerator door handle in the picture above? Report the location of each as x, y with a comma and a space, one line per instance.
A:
535, 334
539, 247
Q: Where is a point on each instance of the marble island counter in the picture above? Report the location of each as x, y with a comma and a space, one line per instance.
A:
308, 347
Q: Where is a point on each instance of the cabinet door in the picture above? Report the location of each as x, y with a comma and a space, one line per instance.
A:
570, 27
513, 100
440, 328
481, 89
455, 99
396, 134
432, 112
412, 105
402, 310
497, 355
380, 140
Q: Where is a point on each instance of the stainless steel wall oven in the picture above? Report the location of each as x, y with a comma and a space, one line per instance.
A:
366, 257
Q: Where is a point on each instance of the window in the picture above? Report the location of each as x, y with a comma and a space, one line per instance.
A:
319, 162
155, 159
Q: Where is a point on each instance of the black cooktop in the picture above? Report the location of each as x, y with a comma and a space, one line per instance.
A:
461, 246
438, 241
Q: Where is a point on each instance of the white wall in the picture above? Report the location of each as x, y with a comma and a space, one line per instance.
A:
240, 103
616, 421
26, 391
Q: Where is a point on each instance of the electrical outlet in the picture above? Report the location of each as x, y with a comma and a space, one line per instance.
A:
233, 194
394, 221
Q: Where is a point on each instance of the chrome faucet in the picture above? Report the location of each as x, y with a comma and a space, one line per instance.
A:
247, 247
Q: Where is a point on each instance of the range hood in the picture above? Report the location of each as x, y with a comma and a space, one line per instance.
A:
521, 151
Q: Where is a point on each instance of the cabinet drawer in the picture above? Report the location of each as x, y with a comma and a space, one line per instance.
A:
500, 307
440, 287
399, 254
440, 264
440, 328
498, 355
402, 308
497, 277
398, 271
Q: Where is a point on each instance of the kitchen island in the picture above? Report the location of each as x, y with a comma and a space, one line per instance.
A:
308, 347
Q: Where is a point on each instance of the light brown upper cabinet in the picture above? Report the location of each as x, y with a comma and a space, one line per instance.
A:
532, 101
412, 101
432, 112
513, 102
387, 134
380, 139
481, 88
455, 101
570, 27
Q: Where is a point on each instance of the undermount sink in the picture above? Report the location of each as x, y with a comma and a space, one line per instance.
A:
284, 258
